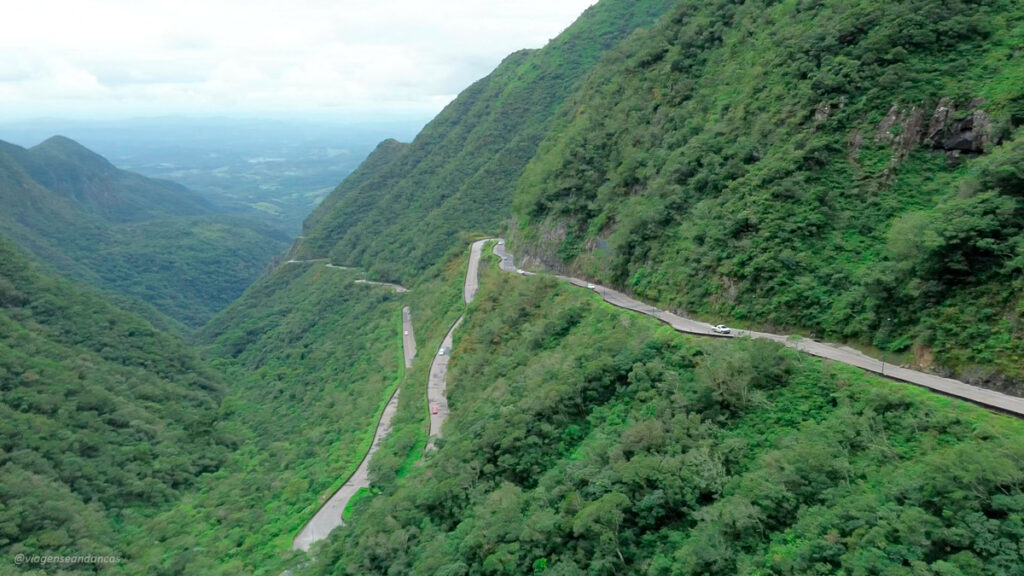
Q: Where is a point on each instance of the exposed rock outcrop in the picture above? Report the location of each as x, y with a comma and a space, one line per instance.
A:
955, 132
970, 134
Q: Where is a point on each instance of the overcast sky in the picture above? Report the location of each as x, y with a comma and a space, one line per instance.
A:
116, 59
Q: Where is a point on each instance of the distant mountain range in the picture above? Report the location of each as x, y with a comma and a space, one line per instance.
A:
147, 239
91, 184
275, 171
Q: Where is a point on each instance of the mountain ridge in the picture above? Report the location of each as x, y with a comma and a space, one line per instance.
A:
148, 240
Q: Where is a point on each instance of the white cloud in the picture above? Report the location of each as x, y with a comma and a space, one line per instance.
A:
115, 58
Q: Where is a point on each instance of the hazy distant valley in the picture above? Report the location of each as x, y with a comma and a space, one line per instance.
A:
275, 171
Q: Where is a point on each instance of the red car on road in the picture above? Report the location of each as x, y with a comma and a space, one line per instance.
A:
433, 409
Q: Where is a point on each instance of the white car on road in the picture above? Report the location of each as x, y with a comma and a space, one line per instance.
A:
722, 329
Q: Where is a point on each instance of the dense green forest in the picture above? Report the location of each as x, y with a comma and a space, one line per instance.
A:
312, 358
849, 169
144, 239
104, 418
588, 440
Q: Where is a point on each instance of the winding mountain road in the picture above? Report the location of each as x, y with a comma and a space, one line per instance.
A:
955, 388
437, 381
408, 337
328, 517
398, 287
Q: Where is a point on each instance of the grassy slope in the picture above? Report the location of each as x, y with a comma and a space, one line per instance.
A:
398, 213
734, 162
105, 420
588, 440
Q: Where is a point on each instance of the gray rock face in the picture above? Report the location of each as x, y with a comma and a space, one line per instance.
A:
940, 120
971, 134
946, 130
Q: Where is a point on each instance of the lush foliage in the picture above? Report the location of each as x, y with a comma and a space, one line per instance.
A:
740, 158
103, 419
587, 440
141, 238
400, 211
809, 165
312, 359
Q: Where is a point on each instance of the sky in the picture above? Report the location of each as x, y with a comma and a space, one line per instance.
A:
339, 59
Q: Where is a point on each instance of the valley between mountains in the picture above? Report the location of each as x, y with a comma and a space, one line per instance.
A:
840, 182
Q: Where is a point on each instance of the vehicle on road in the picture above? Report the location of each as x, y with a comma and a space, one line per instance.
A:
722, 329
406, 332
440, 352
520, 271
591, 287
433, 409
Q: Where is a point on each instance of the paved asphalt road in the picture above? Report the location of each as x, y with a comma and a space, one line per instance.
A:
437, 382
395, 286
328, 517
948, 386
408, 337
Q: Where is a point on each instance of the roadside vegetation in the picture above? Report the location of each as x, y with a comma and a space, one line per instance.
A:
848, 169
589, 440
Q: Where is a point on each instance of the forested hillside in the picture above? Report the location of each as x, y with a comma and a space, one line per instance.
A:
103, 418
588, 440
850, 169
312, 358
142, 238
844, 169
399, 212
97, 187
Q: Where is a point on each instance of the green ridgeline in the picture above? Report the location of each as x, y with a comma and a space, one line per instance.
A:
400, 211
144, 239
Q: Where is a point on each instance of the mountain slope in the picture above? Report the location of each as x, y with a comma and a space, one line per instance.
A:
399, 213
94, 185
104, 418
848, 168
141, 238
584, 439
312, 358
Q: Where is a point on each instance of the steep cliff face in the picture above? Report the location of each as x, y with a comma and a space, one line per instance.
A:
821, 165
